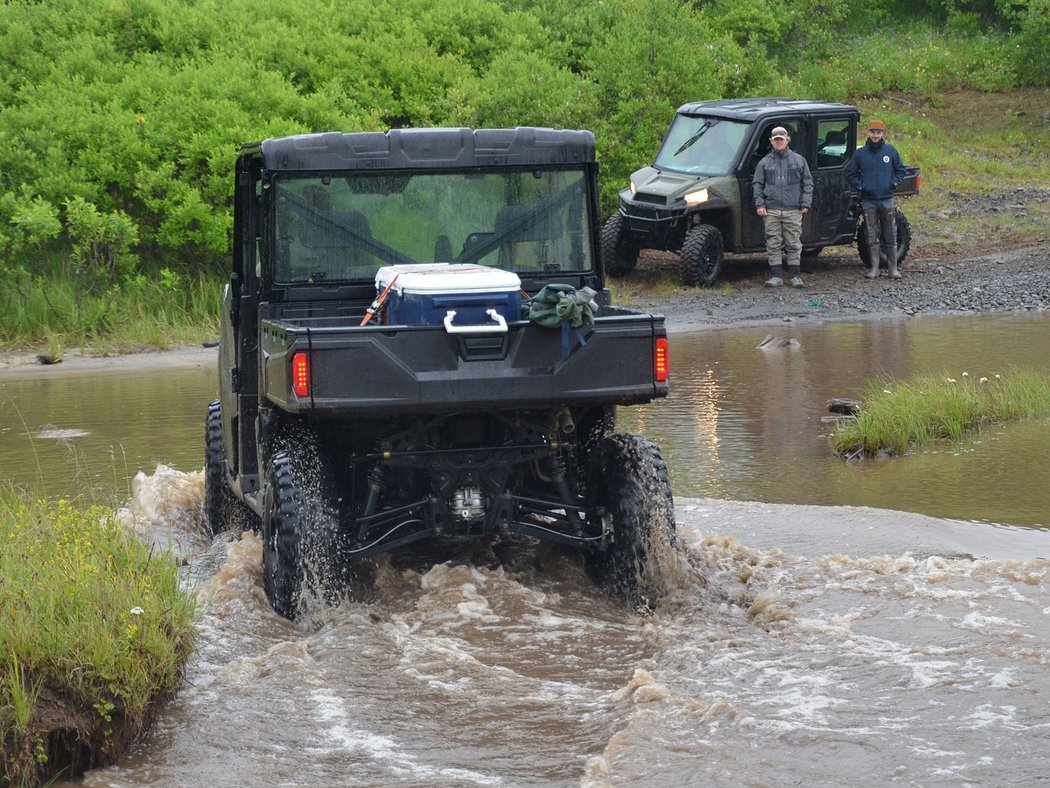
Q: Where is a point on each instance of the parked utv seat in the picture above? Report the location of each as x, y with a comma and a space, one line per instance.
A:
532, 241
333, 245
832, 151
442, 249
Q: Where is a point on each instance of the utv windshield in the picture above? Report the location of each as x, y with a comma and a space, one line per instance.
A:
338, 227
700, 146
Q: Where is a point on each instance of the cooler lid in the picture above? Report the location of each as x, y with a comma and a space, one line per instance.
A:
446, 278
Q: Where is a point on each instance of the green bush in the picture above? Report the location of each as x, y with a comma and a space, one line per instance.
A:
137, 107
1032, 53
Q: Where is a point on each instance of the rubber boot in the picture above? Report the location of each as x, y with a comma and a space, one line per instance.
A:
795, 275
873, 255
894, 273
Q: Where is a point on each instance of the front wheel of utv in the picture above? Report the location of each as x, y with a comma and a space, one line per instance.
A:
701, 256
903, 241
628, 484
619, 253
300, 536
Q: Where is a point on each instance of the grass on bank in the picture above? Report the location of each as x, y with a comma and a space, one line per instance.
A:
985, 160
94, 629
55, 313
899, 414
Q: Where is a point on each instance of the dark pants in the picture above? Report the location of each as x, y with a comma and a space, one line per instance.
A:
879, 216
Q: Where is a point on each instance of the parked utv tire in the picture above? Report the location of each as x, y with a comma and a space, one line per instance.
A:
628, 480
701, 256
222, 509
619, 252
300, 535
903, 241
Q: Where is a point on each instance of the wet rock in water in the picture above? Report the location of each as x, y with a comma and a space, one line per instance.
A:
847, 407
772, 342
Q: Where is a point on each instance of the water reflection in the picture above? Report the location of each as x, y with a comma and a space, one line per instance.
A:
86, 436
740, 424
746, 424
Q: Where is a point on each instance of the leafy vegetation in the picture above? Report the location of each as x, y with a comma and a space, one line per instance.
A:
93, 627
120, 122
897, 415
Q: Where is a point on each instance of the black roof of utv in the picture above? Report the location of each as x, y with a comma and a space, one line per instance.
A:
752, 109
415, 149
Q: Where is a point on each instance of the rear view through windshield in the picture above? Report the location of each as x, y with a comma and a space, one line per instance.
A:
345, 227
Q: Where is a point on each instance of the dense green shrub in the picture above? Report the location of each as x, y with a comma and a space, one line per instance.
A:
129, 113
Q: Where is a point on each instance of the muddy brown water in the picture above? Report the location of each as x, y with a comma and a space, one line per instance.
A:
797, 644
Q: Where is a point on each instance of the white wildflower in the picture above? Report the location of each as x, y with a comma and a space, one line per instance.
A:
136, 611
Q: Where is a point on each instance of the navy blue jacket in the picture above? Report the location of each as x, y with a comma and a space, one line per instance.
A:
875, 170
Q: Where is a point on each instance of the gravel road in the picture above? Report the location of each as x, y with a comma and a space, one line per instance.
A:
836, 289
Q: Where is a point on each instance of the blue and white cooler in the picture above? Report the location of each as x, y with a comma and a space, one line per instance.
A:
464, 297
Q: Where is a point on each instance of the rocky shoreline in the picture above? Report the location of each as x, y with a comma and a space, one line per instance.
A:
1015, 279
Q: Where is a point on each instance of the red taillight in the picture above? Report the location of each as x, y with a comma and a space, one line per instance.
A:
662, 360
301, 374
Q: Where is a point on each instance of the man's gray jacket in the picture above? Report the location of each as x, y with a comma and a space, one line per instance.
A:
783, 182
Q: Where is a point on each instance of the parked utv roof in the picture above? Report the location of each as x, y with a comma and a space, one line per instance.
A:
751, 109
450, 148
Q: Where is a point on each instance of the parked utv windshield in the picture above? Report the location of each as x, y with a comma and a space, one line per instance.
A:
700, 146
337, 227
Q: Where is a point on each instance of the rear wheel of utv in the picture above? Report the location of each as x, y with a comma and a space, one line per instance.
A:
701, 256
619, 254
628, 480
300, 535
222, 509
903, 241
593, 426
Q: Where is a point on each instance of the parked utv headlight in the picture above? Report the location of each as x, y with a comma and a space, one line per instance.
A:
697, 197
634, 189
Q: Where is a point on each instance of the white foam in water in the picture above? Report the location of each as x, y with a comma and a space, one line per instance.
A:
802, 647
387, 752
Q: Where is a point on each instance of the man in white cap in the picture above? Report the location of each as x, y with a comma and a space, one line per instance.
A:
783, 189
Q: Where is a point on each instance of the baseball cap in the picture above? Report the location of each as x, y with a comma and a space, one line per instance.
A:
876, 124
779, 131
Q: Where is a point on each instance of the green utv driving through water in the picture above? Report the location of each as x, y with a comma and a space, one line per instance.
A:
382, 390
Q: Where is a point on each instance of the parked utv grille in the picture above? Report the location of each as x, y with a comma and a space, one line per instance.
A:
656, 199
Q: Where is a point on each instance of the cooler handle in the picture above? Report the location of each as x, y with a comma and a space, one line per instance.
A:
499, 328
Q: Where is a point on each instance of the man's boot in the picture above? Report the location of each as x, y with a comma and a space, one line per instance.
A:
774, 278
873, 255
894, 273
796, 276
